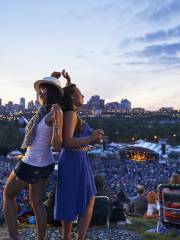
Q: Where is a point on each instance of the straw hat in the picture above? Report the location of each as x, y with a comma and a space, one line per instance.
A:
49, 80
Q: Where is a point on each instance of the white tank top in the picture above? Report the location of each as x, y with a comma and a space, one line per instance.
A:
40, 154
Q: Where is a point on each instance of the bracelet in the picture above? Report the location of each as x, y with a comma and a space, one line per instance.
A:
56, 126
58, 129
58, 132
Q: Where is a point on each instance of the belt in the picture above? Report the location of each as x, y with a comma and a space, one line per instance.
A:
81, 149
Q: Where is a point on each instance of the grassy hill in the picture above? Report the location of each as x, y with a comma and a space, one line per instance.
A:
137, 228
142, 225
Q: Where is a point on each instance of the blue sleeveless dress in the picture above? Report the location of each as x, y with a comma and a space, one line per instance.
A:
75, 186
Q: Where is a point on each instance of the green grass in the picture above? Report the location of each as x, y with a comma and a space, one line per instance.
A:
138, 225
156, 236
142, 225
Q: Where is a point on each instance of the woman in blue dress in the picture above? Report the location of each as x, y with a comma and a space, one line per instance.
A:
76, 188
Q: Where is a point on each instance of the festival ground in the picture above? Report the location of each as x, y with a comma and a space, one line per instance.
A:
135, 231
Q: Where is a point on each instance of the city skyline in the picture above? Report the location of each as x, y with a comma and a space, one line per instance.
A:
112, 48
32, 103
17, 101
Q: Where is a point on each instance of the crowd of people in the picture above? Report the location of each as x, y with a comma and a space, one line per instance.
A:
133, 190
118, 178
126, 175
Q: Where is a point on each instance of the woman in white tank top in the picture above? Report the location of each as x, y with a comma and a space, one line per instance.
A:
43, 131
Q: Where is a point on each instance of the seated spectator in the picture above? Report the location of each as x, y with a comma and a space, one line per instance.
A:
100, 183
118, 210
175, 178
152, 211
101, 191
163, 228
139, 204
51, 199
102, 207
49, 205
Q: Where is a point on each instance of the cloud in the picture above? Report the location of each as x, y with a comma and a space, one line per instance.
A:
165, 55
156, 36
160, 35
161, 49
100, 9
132, 63
105, 8
167, 62
161, 10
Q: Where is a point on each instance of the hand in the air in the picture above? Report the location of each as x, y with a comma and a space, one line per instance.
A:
56, 74
66, 76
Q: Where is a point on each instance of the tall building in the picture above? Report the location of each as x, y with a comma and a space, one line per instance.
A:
113, 107
95, 102
22, 103
9, 106
31, 105
17, 107
0, 101
126, 105
2, 109
37, 104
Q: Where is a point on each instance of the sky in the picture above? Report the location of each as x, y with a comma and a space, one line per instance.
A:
114, 48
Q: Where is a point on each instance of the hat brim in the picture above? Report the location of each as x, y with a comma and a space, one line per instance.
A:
39, 82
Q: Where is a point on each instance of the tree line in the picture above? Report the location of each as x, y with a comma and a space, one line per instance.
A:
117, 128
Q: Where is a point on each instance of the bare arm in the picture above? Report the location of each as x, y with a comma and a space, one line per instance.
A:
70, 121
56, 140
55, 120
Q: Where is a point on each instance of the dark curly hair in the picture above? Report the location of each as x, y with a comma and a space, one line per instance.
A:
67, 104
53, 95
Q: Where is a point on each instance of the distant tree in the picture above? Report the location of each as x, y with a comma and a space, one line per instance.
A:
10, 138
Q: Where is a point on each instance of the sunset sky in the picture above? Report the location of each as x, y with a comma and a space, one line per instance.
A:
116, 49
